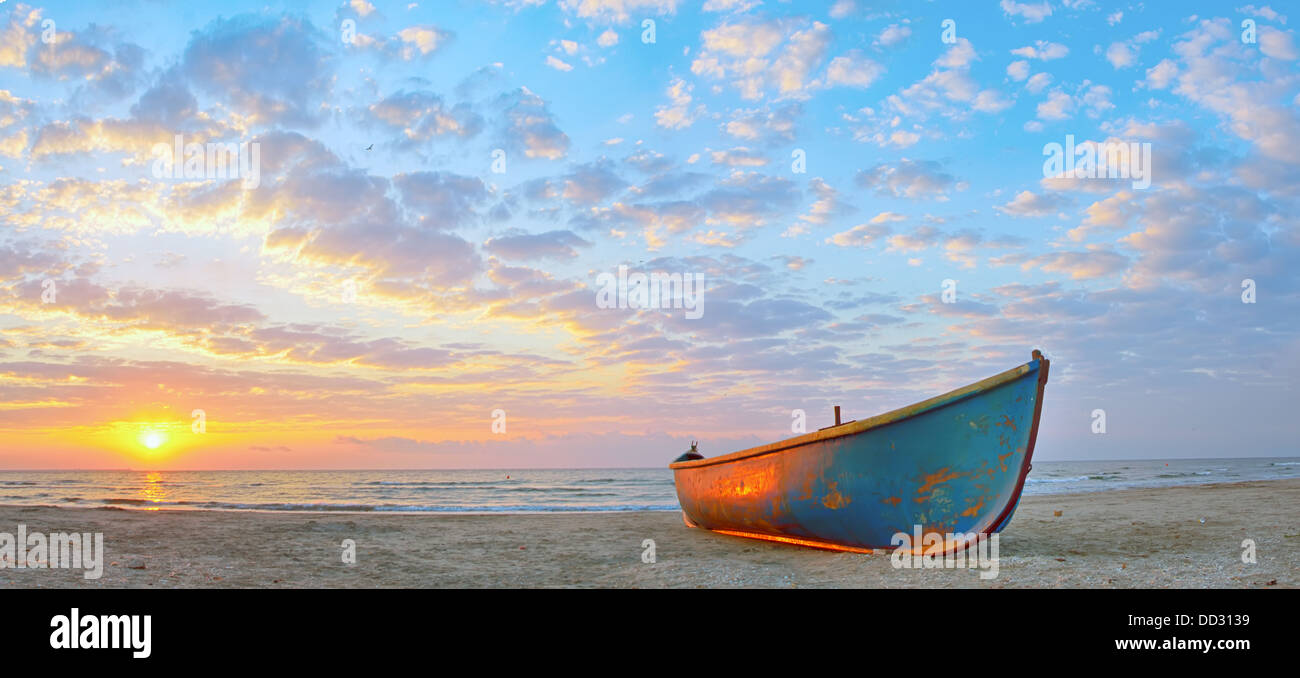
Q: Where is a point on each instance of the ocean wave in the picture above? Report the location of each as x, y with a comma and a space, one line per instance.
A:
1073, 479
541, 491
386, 508
545, 489
528, 508
431, 483
624, 481
409, 489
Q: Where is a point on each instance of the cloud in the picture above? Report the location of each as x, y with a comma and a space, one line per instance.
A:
1108, 214
1162, 74
530, 126
440, 200
1057, 106
794, 263
228, 60
617, 11
949, 90
739, 156
1029, 204
1032, 12
1124, 54
92, 57
18, 36
678, 114
1042, 50
19, 259
862, 235
912, 179
730, 5
843, 8
1121, 55
1078, 265
1038, 82
584, 185
893, 34
853, 70
829, 204
1197, 237
393, 234
758, 56
420, 41
139, 308
1212, 72
1277, 44
748, 199
1097, 100
647, 160
557, 64
557, 245
768, 124
921, 238
133, 137
990, 101
421, 116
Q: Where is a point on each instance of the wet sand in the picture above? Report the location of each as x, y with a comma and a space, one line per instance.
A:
1146, 538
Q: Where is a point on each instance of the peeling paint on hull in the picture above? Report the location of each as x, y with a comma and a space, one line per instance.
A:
955, 463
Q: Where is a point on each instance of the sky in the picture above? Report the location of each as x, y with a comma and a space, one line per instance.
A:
407, 271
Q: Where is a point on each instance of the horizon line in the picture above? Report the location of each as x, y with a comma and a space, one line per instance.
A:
541, 468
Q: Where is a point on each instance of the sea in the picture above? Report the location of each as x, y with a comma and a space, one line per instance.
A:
518, 491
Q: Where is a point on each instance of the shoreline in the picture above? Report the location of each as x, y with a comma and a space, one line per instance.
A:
143, 507
373, 512
1131, 538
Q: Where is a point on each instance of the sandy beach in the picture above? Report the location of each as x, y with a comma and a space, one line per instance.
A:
1125, 538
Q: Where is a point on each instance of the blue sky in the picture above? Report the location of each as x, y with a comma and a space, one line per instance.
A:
826, 166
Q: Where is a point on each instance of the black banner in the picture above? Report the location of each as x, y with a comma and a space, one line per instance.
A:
216, 628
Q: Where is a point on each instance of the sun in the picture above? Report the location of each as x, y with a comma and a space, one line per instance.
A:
153, 439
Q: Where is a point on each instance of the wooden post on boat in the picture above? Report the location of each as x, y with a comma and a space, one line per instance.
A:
837, 415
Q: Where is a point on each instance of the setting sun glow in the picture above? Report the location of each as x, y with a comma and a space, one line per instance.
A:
153, 439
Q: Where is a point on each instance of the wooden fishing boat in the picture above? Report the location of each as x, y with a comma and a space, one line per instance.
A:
953, 464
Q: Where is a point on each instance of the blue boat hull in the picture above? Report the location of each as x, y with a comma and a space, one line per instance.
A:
954, 464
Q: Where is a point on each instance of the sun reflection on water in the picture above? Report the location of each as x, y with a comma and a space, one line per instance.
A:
153, 491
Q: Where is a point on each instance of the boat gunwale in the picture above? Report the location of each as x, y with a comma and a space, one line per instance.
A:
878, 421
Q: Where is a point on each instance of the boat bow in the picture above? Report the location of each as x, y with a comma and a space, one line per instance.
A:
952, 464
